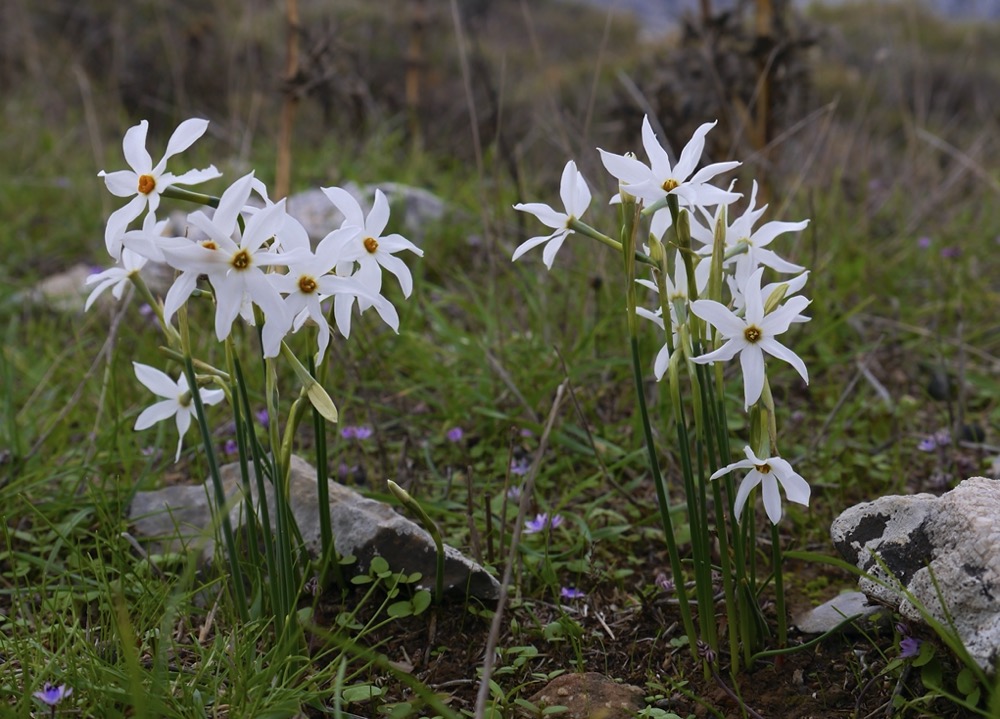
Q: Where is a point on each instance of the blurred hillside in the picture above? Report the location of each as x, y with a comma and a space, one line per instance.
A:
662, 16
846, 87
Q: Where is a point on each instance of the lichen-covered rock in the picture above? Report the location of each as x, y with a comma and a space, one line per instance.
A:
943, 551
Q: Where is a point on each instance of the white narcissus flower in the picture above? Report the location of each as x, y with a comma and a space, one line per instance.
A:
144, 182
370, 251
177, 400
115, 278
659, 179
677, 294
308, 283
752, 335
741, 231
576, 198
370, 248
234, 268
768, 473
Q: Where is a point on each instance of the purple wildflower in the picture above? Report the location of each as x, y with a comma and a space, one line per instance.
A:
525, 432
927, 444
52, 694
665, 583
455, 434
923, 242
942, 437
909, 647
362, 432
519, 466
230, 447
951, 252
541, 522
514, 494
264, 418
571, 593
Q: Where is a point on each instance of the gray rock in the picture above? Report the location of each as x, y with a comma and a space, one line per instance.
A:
362, 527
832, 613
943, 551
413, 208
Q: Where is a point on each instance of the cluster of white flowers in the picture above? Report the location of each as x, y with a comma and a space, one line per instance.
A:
255, 255
755, 315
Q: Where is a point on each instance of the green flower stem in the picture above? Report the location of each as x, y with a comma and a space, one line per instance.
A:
630, 217
240, 421
173, 337
682, 226
201, 366
220, 493
257, 455
588, 231
329, 556
779, 587
718, 452
283, 531
431, 526
179, 193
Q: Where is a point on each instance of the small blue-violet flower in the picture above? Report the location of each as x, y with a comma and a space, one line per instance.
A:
52, 694
362, 432
927, 444
541, 522
571, 593
909, 647
455, 434
519, 466
264, 418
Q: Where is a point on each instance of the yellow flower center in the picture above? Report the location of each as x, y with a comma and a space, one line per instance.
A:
670, 184
147, 183
763, 468
241, 260
752, 334
209, 245
307, 285
371, 244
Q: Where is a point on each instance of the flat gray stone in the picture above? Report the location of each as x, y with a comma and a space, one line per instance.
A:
180, 517
832, 613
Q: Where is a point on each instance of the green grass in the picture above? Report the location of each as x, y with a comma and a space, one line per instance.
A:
482, 346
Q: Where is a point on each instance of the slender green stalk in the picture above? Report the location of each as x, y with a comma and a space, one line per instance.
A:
239, 421
329, 557
179, 193
288, 586
431, 526
630, 216
718, 457
257, 455
220, 492
779, 587
584, 229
